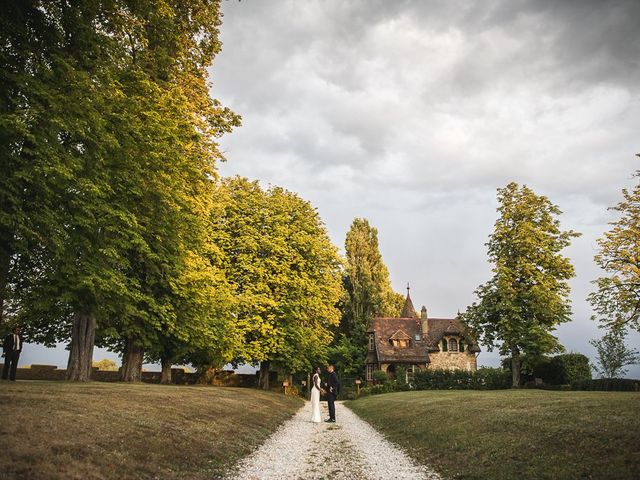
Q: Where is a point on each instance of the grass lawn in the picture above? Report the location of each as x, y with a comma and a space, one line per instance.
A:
510, 434
60, 430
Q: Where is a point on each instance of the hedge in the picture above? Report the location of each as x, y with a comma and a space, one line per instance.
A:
484, 378
608, 384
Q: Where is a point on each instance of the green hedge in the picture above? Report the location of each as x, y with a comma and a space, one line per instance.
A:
484, 378
608, 384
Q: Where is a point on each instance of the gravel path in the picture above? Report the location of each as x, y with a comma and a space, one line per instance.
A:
348, 449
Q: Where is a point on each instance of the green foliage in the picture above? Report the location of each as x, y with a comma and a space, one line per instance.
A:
284, 273
608, 385
401, 374
110, 166
569, 368
367, 293
380, 377
613, 354
483, 379
616, 299
528, 295
561, 369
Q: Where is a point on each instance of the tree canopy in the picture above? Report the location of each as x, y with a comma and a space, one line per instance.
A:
617, 298
367, 293
284, 273
528, 295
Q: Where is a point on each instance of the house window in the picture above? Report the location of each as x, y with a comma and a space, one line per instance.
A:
403, 343
417, 337
453, 345
461, 345
369, 372
444, 345
371, 342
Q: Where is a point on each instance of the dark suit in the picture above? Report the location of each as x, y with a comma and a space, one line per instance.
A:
333, 388
11, 355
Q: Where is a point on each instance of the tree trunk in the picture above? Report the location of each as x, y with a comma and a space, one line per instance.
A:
83, 336
132, 361
515, 367
5, 261
263, 382
165, 376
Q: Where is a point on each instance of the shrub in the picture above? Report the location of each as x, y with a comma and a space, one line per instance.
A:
559, 370
608, 384
493, 378
380, 377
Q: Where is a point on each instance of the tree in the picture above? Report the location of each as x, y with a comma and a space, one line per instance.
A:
285, 275
528, 295
120, 136
613, 354
617, 299
367, 293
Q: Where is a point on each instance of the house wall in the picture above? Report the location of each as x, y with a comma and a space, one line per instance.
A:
453, 360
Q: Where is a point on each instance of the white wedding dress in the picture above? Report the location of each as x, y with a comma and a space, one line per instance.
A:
315, 400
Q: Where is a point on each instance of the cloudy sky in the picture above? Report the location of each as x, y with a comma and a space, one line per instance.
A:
413, 113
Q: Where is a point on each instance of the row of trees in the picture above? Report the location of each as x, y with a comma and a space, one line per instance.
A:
115, 229
528, 295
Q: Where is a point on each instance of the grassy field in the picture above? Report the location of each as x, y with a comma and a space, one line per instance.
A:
509, 434
59, 430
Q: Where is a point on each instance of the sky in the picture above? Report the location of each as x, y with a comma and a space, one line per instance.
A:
412, 113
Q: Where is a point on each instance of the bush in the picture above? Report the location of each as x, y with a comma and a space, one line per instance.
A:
608, 384
380, 377
493, 378
559, 370
570, 368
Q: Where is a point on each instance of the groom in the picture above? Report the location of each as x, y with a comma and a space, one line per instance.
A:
333, 386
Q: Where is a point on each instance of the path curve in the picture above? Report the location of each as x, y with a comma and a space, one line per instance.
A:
346, 450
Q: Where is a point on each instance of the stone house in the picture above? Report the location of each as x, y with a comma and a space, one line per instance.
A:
418, 342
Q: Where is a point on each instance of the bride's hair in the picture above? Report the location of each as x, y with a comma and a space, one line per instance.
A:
316, 369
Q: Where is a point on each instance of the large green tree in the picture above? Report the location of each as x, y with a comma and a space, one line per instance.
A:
617, 299
528, 295
285, 275
367, 293
110, 141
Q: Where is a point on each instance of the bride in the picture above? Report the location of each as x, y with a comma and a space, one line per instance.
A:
315, 396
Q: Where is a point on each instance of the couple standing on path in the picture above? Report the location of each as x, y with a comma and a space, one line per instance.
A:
332, 387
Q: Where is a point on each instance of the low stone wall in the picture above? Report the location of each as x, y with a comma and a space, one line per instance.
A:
222, 378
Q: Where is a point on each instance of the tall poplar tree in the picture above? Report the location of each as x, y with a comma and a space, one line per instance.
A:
367, 294
528, 295
617, 299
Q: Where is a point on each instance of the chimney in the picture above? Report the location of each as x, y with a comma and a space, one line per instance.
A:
424, 320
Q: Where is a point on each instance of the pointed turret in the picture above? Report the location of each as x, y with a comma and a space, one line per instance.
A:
408, 311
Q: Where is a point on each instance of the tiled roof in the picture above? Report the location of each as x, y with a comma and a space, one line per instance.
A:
386, 328
417, 351
439, 327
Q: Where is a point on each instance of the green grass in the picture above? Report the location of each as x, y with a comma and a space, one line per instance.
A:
60, 430
509, 434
